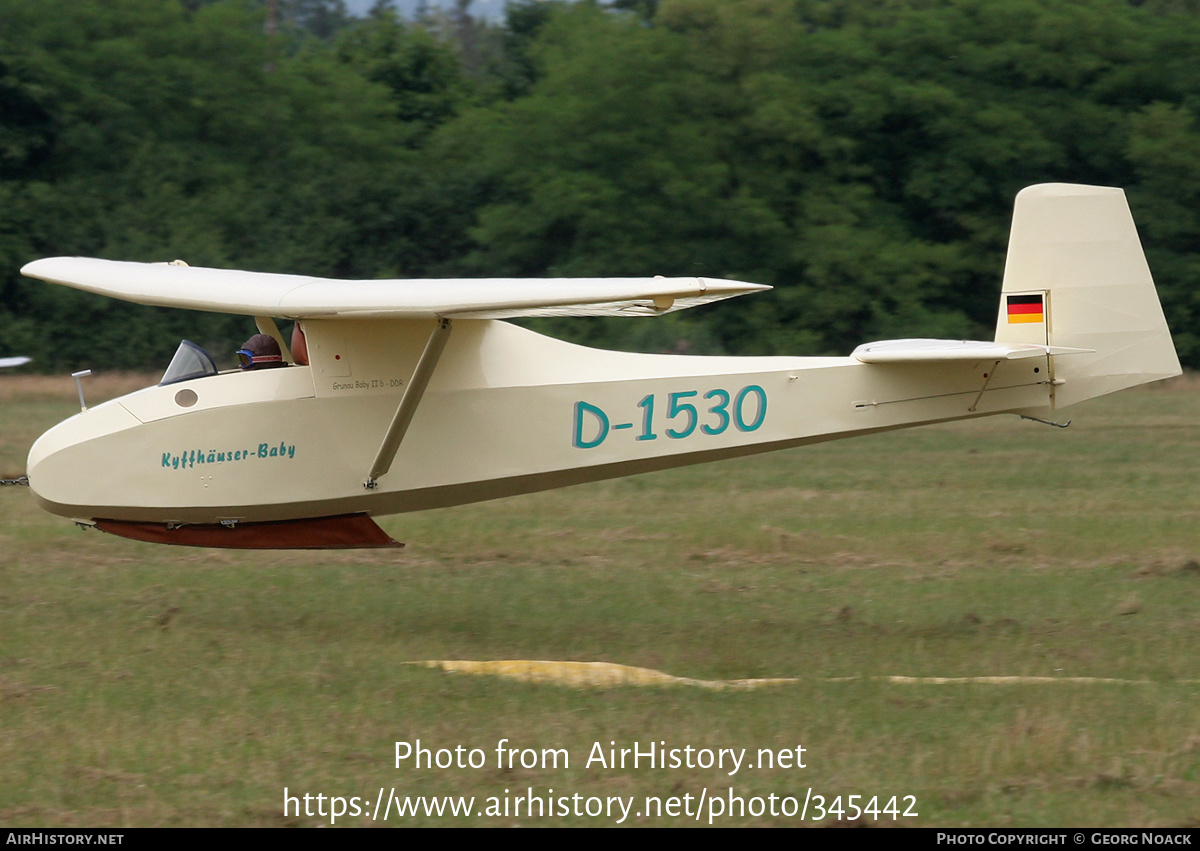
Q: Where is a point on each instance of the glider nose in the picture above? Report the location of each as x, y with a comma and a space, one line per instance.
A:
73, 469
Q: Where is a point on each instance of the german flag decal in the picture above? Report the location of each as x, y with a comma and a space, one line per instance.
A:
1025, 308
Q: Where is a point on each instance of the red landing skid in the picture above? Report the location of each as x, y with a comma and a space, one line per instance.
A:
345, 531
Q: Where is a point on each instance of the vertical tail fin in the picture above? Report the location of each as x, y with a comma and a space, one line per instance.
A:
1076, 277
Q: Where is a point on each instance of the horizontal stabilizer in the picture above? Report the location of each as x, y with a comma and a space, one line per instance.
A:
925, 351
302, 297
21, 360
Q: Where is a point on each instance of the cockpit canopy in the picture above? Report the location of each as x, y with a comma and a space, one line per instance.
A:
190, 361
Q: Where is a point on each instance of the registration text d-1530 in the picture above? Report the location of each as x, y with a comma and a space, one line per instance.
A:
685, 413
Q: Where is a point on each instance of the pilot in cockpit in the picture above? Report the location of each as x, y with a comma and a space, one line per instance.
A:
260, 352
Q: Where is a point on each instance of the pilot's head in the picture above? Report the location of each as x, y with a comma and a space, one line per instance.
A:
260, 352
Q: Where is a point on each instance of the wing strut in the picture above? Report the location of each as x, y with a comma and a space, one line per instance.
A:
408, 403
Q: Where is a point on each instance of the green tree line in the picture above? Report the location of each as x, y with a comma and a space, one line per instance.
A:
861, 157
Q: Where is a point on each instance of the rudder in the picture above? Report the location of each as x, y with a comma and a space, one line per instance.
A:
1076, 277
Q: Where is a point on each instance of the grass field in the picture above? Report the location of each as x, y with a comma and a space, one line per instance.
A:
144, 685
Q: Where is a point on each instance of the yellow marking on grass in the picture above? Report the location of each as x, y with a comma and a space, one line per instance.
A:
609, 675
589, 674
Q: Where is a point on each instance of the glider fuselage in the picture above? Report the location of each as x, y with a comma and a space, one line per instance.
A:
507, 411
